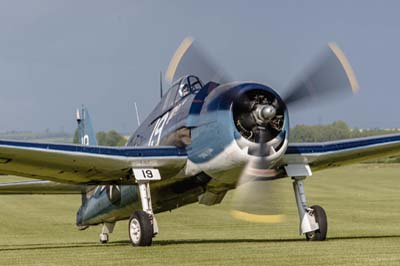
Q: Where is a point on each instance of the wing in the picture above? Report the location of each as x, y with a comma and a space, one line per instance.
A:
40, 187
337, 153
78, 164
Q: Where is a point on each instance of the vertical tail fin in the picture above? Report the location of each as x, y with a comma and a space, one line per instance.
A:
86, 133
86, 136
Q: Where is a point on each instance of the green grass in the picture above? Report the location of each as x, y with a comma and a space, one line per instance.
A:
362, 203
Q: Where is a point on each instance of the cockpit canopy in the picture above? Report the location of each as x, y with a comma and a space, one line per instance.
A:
182, 88
187, 85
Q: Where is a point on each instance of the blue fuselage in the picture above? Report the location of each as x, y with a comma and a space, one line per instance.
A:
201, 124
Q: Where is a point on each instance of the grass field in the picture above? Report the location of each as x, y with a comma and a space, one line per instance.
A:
362, 203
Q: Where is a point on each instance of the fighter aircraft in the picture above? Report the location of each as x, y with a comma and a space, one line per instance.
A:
208, 134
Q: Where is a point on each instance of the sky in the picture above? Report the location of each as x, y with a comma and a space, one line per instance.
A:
56, 55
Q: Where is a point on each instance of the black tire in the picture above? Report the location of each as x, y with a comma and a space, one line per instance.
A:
142, 221
321, 219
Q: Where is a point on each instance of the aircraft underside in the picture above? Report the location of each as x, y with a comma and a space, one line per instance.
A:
111, 203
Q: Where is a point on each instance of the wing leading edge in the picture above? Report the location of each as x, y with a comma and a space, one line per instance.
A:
337, 153
79, 164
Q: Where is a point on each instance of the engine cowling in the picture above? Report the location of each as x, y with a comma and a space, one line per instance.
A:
239, 122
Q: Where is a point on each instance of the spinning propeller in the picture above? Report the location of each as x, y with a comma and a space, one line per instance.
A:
260, 116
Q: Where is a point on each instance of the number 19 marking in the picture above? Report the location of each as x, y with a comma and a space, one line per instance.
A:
146, 174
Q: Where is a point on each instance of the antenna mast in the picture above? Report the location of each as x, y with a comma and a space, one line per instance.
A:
161, 88
137, 114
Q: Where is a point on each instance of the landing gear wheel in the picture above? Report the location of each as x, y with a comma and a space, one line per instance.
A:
321, 219
104, 238
140, 229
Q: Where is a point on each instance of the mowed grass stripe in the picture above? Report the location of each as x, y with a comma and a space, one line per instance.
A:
362, 203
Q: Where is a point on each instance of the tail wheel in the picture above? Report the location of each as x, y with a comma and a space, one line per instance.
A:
321, 219
140, 229
104, 238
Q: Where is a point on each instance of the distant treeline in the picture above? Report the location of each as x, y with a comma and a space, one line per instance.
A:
28, 135
110, 138
335, 131
300, 133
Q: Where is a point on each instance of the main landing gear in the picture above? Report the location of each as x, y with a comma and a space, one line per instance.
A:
142, 225
313, 220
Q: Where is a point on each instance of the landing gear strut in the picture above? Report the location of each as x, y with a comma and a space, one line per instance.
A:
313, 220
143, 224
